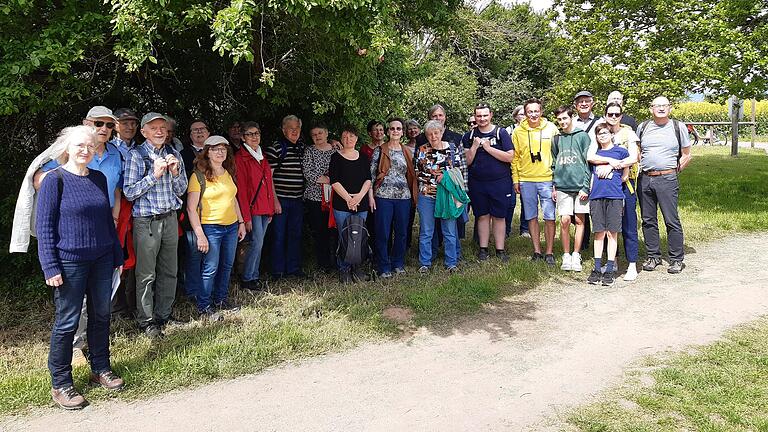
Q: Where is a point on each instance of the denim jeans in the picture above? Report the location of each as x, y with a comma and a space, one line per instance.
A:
341, 217
661, 192
426, 207
629, 224
286, 238
253, 256
391, 217
217, 263
193, 282
92, 280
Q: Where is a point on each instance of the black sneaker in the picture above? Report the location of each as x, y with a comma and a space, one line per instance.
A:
226, 306
502, 256
537, 257
345, 277
651, 263
675, 267
595, 277
549, 259
209, 314
153, 331
482, 255
608, 278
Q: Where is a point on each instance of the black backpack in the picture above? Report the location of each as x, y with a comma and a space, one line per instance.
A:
353, 241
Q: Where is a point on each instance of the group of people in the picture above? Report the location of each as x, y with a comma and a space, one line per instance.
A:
110, 211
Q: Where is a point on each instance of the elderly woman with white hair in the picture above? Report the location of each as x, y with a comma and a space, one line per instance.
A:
433, 160
78, 251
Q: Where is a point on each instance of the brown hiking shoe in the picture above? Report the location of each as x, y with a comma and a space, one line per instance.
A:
68, 398
107, 379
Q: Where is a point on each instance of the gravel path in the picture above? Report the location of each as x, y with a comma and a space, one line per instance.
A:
519, 365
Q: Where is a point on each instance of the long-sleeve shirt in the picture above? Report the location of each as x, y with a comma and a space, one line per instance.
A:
74, 221
152, 196
571, 172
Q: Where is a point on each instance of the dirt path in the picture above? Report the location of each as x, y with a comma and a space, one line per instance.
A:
520, 365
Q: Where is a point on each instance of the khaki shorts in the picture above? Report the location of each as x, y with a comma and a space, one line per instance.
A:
568, 204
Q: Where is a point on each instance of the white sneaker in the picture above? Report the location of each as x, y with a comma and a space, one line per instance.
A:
576, 262
631, 272
566, 262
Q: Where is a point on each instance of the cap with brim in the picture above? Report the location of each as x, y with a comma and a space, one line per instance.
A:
583, 93
214, 140
148, 117
125, 114
100, 111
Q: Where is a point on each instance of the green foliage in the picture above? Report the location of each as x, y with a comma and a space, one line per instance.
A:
445, 79
669, 47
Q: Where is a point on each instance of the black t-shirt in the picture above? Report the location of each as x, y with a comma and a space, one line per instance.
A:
352, 174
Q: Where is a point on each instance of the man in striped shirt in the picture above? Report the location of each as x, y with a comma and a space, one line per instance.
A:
285, 157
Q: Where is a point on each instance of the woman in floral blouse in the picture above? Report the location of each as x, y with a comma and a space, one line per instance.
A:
315, 167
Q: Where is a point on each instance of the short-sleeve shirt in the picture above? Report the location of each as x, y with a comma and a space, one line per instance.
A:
485, 167
218, 200
110, 163
608, 187
352, 175
658, 146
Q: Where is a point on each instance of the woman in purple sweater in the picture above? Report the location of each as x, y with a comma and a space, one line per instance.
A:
78, 251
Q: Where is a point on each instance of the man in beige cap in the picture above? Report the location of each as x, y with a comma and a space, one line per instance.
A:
155, 182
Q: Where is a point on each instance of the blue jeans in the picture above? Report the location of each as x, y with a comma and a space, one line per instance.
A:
217, 263
92, 280
391, 217
253, 256
629, 224
426, 207
286, 238
192, 267
341, 217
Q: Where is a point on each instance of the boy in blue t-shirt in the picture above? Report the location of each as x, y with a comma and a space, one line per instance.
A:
606, 205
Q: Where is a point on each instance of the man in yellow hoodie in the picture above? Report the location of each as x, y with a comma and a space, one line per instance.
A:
532, 175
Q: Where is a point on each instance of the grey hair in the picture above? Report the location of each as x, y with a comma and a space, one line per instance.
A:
433, 124
412, 122
517, 110
435, 107
290, 118
71, 135
171, 123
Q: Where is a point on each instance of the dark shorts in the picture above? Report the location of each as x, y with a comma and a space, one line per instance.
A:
490, 197
606, 214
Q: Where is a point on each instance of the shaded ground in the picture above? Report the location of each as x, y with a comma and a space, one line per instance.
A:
521, 364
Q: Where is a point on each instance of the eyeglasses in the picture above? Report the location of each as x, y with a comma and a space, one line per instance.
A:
395, 128
218, 150
199, 130
614, 115
99, 123
251, 134
661, 105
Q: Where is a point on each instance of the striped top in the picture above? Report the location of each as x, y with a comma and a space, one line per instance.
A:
287, 172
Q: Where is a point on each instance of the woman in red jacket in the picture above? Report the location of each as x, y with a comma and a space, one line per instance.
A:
256, 196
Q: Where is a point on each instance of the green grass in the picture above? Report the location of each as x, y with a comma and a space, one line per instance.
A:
719, 195
719, 387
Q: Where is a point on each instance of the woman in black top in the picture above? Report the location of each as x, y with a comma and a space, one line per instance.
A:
351, 181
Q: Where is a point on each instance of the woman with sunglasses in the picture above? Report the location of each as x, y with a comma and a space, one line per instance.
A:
256, 197
394, 189
78, 251
215, 216
623, 136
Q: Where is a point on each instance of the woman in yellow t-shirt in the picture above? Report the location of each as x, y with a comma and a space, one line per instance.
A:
217, 222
